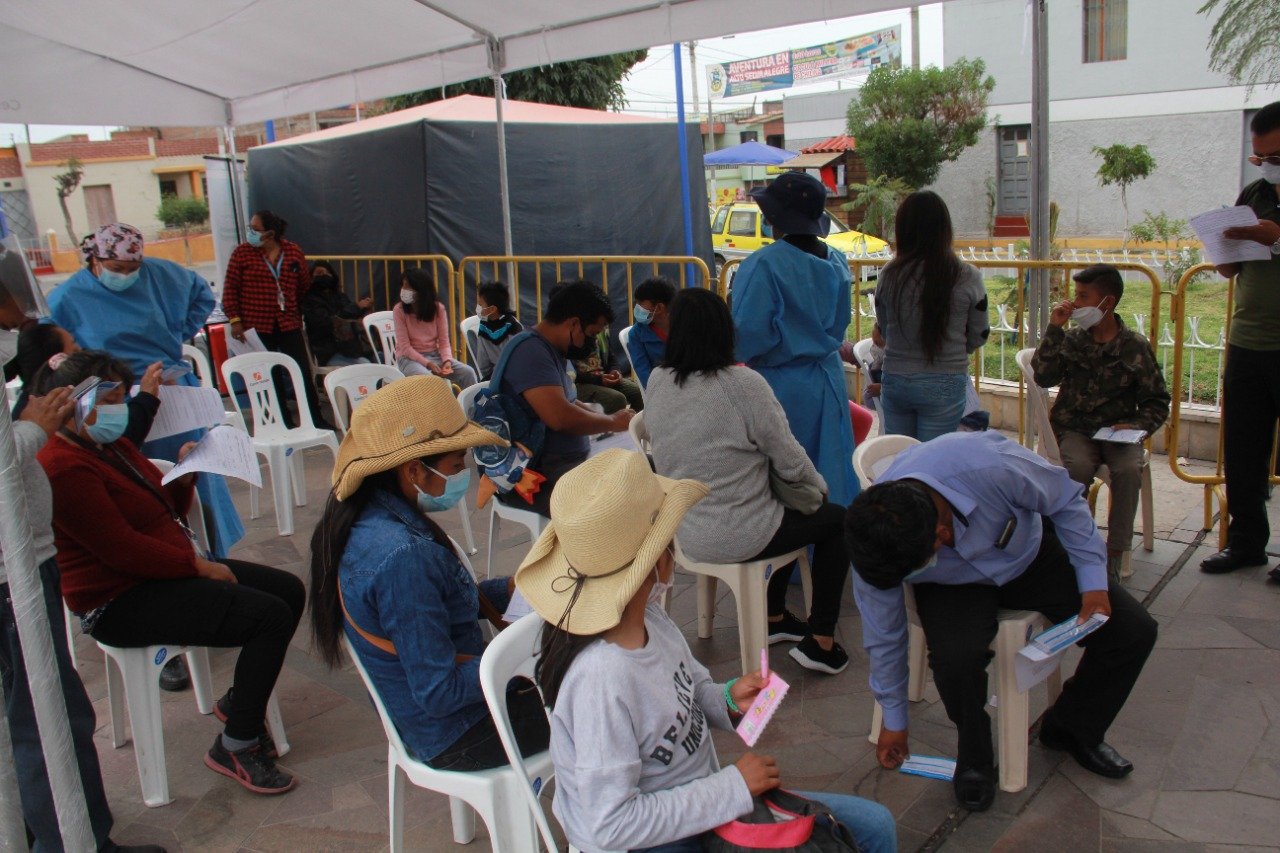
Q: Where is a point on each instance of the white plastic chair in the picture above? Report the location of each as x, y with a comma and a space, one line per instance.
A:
282, 447
498, 511
1013, 707
494, 794
512, 654
1047, 446
640, 434
346, 387
133, 676
862, 355
380, 326
469, 327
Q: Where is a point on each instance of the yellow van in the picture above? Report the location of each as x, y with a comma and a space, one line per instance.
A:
738, 229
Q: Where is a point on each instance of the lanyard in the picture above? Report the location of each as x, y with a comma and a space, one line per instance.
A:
275, 273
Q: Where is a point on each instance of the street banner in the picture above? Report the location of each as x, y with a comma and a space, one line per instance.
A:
850, 57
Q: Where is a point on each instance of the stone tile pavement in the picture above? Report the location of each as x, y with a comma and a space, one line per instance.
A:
1202, 727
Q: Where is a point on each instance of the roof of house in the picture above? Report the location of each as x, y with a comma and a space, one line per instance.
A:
843, 142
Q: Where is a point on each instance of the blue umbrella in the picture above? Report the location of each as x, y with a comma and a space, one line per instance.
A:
749, 154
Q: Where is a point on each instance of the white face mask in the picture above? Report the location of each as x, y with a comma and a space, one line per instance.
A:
1271, 172
8, 345
660, 587
407, 296
1088, 317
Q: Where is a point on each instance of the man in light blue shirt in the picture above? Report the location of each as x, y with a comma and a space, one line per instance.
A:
976, 523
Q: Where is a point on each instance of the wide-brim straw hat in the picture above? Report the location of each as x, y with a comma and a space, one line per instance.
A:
611, 519
406, 419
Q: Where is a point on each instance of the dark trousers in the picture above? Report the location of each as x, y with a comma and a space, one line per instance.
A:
479, 747
258, 614
28, 755
293, 345
960, 623
1250, 406
824, 530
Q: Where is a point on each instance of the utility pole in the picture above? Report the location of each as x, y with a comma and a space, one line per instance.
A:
710, 143
915, 37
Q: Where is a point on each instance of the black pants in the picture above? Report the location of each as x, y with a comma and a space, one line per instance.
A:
1250, 406
258, 614
293, 345
960, 624
479, 747
824, 530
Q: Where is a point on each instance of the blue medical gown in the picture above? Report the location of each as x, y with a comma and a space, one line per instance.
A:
147, 323
791, 311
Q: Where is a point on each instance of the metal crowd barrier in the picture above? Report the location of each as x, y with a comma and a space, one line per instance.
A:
379, 276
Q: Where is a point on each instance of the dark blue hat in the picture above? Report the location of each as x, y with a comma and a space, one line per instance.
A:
795, 203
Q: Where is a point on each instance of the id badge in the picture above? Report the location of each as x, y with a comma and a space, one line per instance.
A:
280, 298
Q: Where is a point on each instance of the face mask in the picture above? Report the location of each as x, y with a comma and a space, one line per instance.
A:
455, 487
1087, 318
254, 238
1271, 173
8, 345
110, 422
583, 350
323, 280
116, 282
933, 561
643, 315
482, 311
660, 587
407, 296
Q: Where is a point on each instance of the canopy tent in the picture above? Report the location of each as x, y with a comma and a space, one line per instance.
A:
750, 153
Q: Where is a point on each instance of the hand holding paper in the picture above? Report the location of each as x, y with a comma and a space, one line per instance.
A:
223, 450
1221, 249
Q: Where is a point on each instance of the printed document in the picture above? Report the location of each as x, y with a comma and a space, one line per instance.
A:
184, 408
251, 343
223, 450
1220, 250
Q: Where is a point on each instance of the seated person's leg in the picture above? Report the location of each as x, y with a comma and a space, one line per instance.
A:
1124, 463
1081, 456
871, 823
631, 390
607, 398
464, 375
409, 367
480, 748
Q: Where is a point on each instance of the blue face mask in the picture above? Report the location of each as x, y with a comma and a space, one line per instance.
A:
117, 282
110, 423
643, 315
455, 487
254, 238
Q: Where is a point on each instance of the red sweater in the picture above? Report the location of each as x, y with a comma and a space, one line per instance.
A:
112, 533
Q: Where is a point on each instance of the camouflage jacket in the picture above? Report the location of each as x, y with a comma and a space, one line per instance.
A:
1101, 385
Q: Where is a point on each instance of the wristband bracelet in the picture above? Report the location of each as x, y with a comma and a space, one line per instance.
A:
233, 320
728, 697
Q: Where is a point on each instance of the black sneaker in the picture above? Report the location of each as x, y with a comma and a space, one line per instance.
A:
174, 676
810, 655
250, 767
790, 629
222, 709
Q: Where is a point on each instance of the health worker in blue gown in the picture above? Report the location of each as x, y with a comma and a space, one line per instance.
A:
141, 310
791, 307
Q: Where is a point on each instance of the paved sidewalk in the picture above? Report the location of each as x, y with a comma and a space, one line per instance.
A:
1202, 727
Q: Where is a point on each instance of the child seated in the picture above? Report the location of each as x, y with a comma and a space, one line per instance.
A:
648, 341
497, 325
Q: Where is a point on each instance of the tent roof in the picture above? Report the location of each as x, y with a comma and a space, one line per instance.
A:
473, 108
218, 62
748, 154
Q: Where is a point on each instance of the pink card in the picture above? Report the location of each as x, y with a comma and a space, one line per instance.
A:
762, 708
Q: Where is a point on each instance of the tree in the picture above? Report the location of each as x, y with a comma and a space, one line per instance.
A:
1245, 41
878, 200
1172, 234
594, 84
1122, 165
908, 122
184, 214
67, 183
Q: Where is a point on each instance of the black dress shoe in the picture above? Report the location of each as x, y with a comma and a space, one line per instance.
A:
1274, 574
174, 676
975, 789
1228, 560
1100, 759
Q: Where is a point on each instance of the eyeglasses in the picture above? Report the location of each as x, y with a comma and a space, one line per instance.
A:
1270, 160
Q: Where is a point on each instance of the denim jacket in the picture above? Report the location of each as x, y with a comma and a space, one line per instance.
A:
398, 583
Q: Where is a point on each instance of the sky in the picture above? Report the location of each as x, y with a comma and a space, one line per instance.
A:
651, 86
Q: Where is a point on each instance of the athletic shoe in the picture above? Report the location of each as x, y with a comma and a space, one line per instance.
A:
790, 629
174, 676
810, 655
222, 709
250, 767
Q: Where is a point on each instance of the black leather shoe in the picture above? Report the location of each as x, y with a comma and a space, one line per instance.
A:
1274, 574
975, 789
1228, 560
174, 676
1100, 759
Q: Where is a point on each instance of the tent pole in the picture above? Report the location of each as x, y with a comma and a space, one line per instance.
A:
1038, 302
496, 61
35, 635
685, 206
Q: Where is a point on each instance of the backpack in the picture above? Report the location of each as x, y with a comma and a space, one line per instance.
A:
509, 416
782, 821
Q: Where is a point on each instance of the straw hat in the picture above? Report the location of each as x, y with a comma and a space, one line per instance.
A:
406, 419
611, 519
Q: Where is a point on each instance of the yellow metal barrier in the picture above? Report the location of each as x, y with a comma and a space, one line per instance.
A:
860, 268
379, 276
521, 272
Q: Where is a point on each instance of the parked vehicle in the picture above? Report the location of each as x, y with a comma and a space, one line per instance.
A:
738, 229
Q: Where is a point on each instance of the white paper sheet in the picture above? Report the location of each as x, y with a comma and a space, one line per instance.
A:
1218, 249
518, 606
223, 450
184, 408
1121, 436
251, 343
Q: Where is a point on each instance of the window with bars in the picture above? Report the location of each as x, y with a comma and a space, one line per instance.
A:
1106, 30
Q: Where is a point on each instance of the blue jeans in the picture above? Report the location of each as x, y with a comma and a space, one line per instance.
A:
28, 756
922, 405
871, 824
